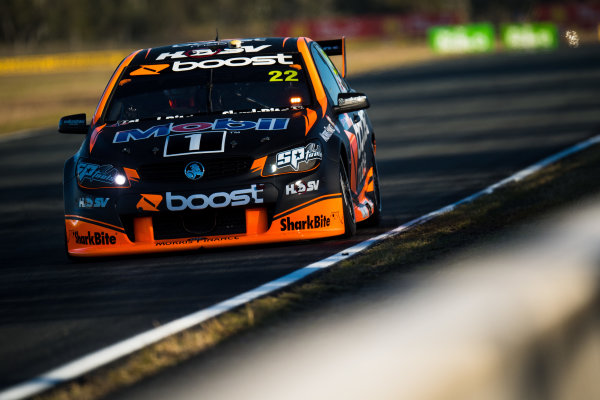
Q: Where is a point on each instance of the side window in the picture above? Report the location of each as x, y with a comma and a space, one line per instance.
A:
332, 82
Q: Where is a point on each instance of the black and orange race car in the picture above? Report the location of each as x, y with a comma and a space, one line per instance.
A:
221, 143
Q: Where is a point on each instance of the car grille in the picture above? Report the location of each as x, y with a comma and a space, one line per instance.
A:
199, 223
213, 169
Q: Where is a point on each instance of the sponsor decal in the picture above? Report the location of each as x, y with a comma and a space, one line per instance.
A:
213, 43
294, 157
194, 170
198, 53
240, 197
123, 122
364, 210
93, 202
194, 143
149, 69
362, 133
94, 238
327, 132
333, 123
301, 187
227, 124
74, 121
254, 110
149, 202
311, 222
88, 172
182, 66
197, 240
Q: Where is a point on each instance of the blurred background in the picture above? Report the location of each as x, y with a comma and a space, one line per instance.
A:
450, 126
57, 55
49, 25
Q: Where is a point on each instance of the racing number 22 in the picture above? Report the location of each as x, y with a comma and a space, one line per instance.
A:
290, 76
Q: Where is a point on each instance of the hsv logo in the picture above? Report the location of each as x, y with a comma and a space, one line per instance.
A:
197, 53
93, 202
149, 69
149, 202
300, 187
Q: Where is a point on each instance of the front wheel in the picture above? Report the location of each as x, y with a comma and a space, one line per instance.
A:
349, 220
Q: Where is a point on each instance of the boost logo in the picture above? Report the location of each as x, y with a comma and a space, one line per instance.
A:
216, 200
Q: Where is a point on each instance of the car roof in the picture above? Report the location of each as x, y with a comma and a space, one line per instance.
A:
256, 46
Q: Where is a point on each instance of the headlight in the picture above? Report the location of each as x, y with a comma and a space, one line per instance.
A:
95, 176
299, 159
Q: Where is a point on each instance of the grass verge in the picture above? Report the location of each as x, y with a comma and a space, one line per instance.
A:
561, 184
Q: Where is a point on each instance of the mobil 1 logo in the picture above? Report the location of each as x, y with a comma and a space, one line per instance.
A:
195, 143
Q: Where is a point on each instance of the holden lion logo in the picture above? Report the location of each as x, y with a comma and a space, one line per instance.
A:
194, 170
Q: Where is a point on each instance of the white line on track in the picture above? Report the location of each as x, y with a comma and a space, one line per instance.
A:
99, 358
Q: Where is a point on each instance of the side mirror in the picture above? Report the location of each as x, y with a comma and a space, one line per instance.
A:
73, 124
348, 102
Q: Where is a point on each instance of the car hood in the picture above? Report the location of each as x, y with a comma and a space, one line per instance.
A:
248, 135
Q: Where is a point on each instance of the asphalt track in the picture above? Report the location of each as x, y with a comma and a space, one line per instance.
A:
444, 130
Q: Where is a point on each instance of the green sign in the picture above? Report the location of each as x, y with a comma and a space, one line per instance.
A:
472, 38
529, 36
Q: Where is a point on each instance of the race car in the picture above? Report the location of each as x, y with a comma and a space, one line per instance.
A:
221, 143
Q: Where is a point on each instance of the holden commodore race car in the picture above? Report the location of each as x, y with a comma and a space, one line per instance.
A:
221, 143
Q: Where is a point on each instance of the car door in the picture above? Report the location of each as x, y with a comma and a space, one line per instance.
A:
355, 124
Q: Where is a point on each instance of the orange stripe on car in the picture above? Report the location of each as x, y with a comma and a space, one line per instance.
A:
111, 84
370, 181
132, 174
76, 218
310, 118
258, 164
94, 136
313, 73
318, 199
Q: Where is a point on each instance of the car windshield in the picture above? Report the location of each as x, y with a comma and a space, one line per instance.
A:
209, 85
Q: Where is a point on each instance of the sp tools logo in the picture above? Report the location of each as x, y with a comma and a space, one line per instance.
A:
149, 69
293, 158
149, 202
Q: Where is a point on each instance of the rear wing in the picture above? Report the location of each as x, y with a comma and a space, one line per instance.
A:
335, 47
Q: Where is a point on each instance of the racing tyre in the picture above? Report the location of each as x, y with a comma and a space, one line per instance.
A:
349, 220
